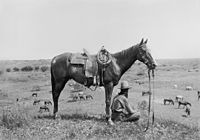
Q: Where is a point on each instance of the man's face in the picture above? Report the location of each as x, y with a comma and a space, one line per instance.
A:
125, 92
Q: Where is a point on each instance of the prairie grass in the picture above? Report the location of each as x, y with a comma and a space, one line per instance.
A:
14, 117
87, 126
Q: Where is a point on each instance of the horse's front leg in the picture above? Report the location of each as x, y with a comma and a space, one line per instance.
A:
108, 95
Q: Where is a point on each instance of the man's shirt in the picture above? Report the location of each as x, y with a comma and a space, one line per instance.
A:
120, 104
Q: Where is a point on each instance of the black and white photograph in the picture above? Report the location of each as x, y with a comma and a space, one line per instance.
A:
99, 69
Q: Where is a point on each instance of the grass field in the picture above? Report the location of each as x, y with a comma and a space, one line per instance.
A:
86, 119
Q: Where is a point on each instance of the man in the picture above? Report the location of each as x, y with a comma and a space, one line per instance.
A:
121, 109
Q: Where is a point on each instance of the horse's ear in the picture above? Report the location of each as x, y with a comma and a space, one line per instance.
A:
146, 41
141, 41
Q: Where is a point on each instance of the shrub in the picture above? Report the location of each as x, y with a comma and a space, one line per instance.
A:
3, 94
15, 69
44, 68
8, 70
15, 117
1, 72
27, 68
37, 68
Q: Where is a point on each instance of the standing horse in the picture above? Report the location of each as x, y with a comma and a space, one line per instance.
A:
62, 71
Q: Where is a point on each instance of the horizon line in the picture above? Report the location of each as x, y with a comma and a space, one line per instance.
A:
51, 58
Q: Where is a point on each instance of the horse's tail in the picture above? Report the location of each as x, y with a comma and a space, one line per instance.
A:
52, 80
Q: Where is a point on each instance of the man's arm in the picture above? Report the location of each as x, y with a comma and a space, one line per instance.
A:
128, 107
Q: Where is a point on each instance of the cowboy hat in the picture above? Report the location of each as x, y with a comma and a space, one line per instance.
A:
124, 85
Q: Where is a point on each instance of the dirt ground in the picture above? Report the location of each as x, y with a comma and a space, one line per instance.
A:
180, 72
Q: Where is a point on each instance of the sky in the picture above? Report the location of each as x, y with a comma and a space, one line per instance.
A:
42, 29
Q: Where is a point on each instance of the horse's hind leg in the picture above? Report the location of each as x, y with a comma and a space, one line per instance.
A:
58, 87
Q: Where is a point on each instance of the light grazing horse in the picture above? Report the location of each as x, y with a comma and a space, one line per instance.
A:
188, 88
62, 71
179, 98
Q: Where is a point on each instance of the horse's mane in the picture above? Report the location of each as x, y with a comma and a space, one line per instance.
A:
125, 52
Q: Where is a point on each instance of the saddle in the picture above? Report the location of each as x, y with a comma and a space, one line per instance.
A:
92, 65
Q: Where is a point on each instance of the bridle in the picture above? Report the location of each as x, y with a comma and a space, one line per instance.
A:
151, 93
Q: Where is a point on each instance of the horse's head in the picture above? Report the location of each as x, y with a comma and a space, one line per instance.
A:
144, 55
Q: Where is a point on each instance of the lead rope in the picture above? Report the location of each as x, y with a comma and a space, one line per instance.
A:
149, 108
153, 94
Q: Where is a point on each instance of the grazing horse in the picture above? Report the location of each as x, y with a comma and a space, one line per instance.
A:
62, 71
184, 103
36, 102
45, 108
34, 94
146, 93
89, 97
47, 102
179, 98
198, 94
188, 88
82, 96
168, 100
75, 97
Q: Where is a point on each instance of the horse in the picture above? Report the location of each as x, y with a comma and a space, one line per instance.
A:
168, 100
45, 108
178, 98
36, 102
188, 88
184, 103
146, 93
47, 102
75, 97
62, 71
187, 110
198, 94
89, 97
82, 96
34, 94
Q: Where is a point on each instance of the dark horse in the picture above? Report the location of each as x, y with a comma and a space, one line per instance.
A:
170, 101
184, 103
62, 71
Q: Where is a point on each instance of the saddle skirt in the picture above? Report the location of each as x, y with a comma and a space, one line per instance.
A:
89, 65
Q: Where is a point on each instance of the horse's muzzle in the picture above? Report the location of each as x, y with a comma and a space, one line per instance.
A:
152, 66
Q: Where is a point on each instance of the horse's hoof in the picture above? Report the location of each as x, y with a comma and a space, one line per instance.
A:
57, 117
110, 122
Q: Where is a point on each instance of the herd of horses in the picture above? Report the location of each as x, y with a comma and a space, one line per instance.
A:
178, 99
81, 97
181, 102
46, 103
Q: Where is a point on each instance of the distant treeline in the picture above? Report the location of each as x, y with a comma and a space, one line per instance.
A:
28, 69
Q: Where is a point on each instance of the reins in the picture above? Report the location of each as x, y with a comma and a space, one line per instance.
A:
150, 93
